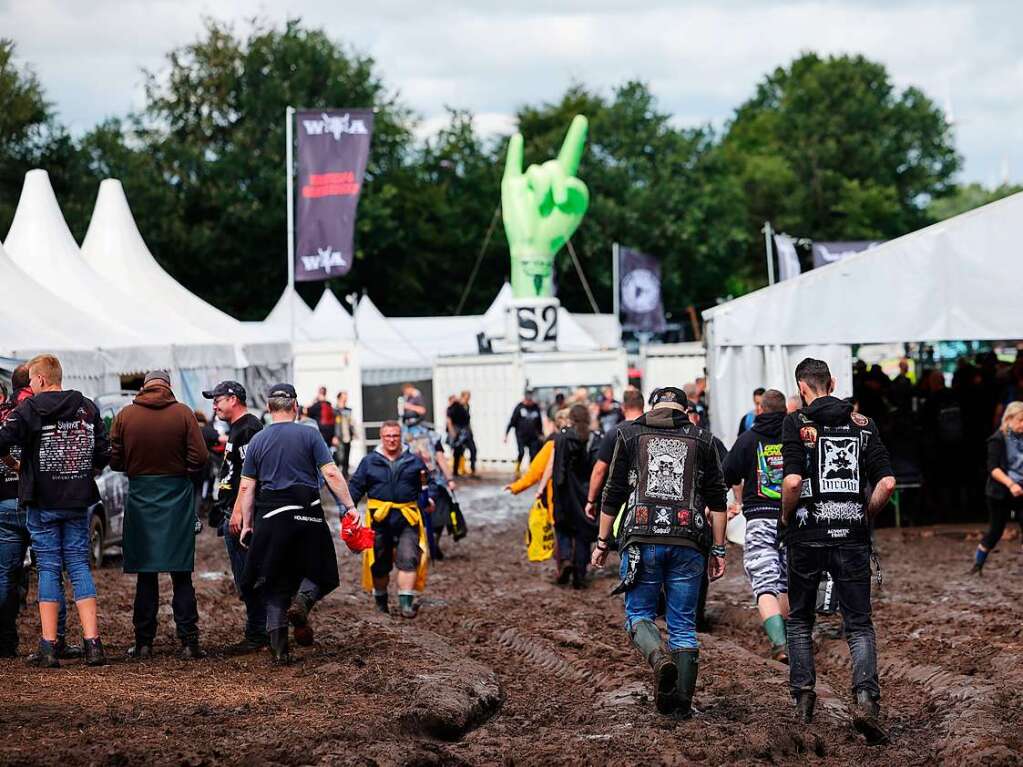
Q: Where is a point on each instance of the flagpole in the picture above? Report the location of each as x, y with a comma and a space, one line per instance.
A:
769, 251
614, 278
290, 167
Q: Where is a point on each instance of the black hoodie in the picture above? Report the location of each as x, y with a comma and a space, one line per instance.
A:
839, 456
63, 442
756, 460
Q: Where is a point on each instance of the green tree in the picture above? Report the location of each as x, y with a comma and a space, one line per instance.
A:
827, 148
968, 197
654, 186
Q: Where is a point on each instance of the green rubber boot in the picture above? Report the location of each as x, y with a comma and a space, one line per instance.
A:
647, 639
688, 664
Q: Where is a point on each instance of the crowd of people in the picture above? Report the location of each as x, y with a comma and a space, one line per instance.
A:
643, 476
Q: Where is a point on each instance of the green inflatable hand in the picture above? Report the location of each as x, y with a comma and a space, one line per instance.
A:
542, 208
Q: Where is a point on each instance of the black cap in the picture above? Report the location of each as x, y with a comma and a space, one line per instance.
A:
669, 394
226, 388
282, 390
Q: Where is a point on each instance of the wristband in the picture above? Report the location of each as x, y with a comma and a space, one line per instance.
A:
602, 540
590, 500
605, 547
718, 550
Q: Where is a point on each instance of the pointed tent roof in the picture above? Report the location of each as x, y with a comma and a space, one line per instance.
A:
330, 320
41, 245
46, 318
114, 248
381, 345
281, 313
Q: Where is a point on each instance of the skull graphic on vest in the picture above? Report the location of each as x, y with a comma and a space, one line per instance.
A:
666, 468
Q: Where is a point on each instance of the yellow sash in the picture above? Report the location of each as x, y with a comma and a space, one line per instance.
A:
377, 511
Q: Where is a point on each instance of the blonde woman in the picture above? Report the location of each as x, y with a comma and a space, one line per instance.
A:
1005, 480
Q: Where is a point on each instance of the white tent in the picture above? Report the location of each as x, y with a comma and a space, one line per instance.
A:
955, 280
385, 354
329, 320
289, 307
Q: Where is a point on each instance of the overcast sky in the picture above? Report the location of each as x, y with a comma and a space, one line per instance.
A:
701, 58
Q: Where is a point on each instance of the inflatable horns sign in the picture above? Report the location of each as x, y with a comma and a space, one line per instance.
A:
542, 207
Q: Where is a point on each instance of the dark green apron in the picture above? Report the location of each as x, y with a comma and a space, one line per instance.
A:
159, 525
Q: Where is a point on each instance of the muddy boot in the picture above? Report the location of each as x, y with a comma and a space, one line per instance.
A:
279, 651
866, 719
140, 651
248, 644
977, 569
688, 664
407, 605
647, 639
565, 573
298, 616
381, 601
45, 657
67, 651
805, 702
780, 653
190, 650
94, 654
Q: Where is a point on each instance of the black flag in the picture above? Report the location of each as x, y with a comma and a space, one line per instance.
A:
333, 149
642, 308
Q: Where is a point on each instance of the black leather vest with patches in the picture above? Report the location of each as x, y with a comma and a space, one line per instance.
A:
832, 502
666, 471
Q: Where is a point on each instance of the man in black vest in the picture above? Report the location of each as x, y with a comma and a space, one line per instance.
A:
832, 456
666, 469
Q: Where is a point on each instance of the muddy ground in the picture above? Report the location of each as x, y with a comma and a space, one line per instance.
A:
504, 667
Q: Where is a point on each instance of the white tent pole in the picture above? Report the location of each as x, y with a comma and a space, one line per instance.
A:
614, 279
289, 162
769, 252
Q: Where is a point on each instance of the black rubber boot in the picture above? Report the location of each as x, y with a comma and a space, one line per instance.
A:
94, 654
805, 702
407, 605
67, 651
381, 600
140, 651
688, 664
866, 719
977, 569
647, 639
279, 646
190, 650
46, 656
298, 616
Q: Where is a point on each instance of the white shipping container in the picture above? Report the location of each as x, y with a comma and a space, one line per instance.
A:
334, 364
672, 364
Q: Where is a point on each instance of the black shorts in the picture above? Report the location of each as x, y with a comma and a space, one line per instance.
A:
396, 543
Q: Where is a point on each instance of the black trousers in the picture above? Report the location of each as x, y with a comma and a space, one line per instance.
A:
147, 603
849, 565
1000, 511
532, 445
344, 457
468, 443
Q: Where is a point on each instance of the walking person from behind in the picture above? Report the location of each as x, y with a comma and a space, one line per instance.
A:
229, 404
755, 463
63, 444
666, 470
291, 562
344, 432
322, 413
527, 423
157, 442
460, 428
1004, 490
832, 456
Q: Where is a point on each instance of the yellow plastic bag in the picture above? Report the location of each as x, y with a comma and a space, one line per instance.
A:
540, 533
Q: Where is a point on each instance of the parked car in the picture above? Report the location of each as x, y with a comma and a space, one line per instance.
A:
106, 518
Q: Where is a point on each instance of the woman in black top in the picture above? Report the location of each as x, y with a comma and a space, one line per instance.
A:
1005, 480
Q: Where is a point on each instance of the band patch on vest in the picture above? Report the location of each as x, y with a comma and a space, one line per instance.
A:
662, 521
642, 515
838, 511
666, 468
839, 465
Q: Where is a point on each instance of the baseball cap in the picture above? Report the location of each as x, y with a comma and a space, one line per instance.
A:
225, 389
282, 390
667, 396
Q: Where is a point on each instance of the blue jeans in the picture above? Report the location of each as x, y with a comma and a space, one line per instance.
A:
677, 571
14, 541
255, 608
60, 539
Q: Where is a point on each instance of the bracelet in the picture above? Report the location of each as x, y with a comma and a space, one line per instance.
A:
718, 550
602, 540
605, 547
590, 500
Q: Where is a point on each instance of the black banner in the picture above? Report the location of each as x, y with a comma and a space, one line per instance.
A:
333, 149
825, 253
642, 307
